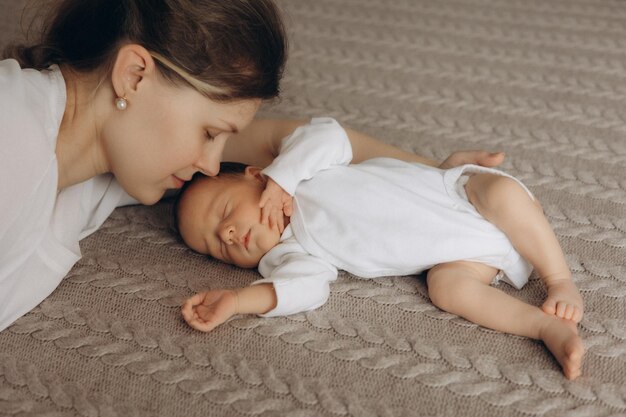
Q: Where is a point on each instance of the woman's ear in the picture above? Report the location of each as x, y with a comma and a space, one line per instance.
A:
132, 65
255, 172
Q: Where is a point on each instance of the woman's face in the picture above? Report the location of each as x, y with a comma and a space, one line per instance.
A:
166, 134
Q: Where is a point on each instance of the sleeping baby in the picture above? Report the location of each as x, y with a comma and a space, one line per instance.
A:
468, 226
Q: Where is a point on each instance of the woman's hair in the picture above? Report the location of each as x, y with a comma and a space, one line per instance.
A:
226, 49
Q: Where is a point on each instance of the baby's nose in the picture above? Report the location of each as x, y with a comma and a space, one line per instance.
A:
226, 233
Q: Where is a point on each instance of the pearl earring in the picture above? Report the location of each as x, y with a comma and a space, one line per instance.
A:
121, 103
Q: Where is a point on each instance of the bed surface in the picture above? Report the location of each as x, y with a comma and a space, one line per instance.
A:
544, 81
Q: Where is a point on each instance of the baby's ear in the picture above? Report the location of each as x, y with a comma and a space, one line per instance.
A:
255, 172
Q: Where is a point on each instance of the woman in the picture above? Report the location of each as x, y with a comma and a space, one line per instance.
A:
119, 101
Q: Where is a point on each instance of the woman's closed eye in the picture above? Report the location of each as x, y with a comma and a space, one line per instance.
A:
210, 135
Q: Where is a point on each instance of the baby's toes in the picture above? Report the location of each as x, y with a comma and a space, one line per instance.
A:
569, 312
578, 314
561, 309
549, 306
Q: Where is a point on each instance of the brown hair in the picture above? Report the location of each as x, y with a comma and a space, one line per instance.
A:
226, 49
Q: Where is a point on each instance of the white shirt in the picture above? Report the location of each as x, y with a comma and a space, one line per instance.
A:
382, 217
40, 229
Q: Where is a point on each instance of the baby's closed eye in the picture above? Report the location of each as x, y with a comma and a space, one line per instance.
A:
224, 213
223, 251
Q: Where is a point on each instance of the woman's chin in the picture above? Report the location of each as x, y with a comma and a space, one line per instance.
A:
148, 199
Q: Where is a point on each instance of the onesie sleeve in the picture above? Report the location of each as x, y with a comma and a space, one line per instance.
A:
311, 148
301, 281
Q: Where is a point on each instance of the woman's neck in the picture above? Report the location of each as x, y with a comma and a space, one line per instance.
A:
78, 151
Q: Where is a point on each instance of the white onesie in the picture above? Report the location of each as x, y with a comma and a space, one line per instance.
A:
382, 217
40, 228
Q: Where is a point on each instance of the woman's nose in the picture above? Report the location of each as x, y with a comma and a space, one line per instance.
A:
209, 166
209, 161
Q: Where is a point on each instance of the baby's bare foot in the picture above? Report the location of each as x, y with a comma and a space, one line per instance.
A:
561, 338
563, 300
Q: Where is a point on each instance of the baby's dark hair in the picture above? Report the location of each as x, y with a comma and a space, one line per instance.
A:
226, 169
225, 49
232, 168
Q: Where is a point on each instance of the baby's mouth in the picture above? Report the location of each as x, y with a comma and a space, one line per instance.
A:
246, 239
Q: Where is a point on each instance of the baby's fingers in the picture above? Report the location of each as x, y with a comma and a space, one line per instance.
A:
203, 326
288, 209
276, 220
195, 299
188, 309
265, 197
266, 214
280, 221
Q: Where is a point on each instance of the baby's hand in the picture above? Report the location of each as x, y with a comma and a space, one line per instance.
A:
207, 310
274, 203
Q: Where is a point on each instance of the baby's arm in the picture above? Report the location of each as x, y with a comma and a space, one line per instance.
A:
309, 149
323, 143
207, 310
294, 281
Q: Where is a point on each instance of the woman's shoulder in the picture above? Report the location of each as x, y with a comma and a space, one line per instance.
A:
29, 122
9, 70
32, 103
19, 81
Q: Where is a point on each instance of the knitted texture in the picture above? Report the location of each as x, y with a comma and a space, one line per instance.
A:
542, 80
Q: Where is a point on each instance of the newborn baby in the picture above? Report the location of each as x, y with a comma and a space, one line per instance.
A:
468, 226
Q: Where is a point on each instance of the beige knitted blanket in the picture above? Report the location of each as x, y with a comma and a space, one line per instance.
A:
543, 80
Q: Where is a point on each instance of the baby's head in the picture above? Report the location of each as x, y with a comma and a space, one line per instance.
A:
220, 216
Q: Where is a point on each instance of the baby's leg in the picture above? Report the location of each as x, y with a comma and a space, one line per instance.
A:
506, 204
463, 288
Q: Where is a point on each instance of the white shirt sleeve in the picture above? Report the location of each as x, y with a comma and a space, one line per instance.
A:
301, 281
311, 148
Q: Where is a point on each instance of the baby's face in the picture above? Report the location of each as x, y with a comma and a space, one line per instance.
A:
221, 217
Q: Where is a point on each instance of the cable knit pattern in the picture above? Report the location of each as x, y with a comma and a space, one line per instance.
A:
542, 80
